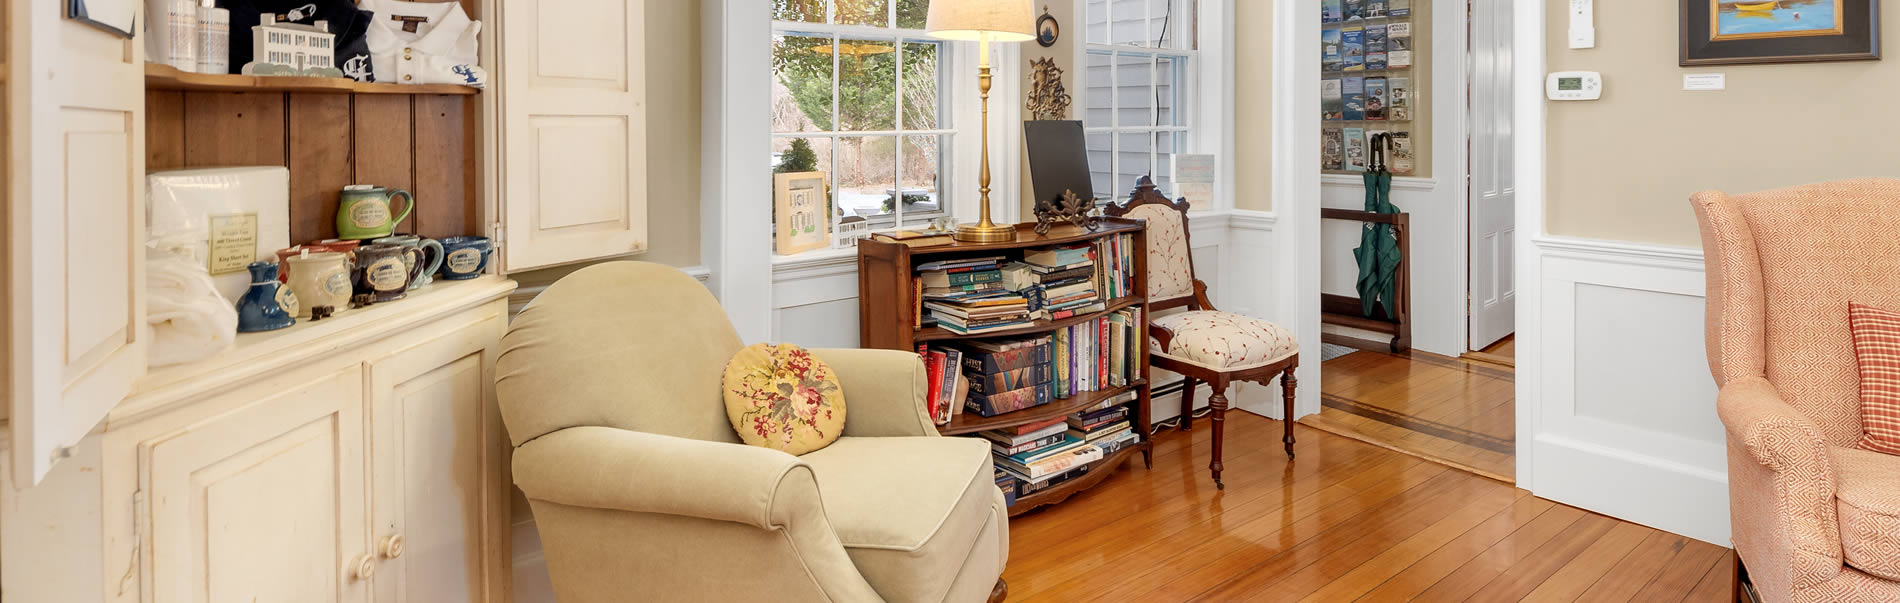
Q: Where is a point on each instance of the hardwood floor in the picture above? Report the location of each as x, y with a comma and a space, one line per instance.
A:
1344, 521
1503, 353
1445, 409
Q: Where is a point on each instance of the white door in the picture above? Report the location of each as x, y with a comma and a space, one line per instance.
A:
573, 124
437, 497
265, 503
1492, 189
76, 229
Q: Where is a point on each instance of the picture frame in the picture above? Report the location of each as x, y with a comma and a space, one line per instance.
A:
801, 222
1752, 32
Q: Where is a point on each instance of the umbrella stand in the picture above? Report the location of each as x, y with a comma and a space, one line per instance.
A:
1348, 311
1381, 255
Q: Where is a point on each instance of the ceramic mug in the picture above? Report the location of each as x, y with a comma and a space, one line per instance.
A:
284, 255
367, 211
320, 278
467, 257
382, 271
343, 246
431, 249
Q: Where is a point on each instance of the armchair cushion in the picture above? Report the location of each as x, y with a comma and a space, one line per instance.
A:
1868, 503
782, 397
1222, 341
911, 510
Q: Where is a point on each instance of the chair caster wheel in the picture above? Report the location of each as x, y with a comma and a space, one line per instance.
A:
1220, 486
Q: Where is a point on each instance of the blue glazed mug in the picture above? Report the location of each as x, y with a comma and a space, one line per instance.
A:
465, 257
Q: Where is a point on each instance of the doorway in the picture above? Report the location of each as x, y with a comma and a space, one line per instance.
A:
1447, 394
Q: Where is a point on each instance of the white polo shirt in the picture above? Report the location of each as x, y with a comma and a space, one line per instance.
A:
423, 43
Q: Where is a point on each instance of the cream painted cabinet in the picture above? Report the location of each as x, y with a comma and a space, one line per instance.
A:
571, 80
265, 503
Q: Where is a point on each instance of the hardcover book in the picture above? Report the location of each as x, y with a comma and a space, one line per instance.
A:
1331, 52
1013, 379
1352, 51
1332, 149
991, 405
978, 360
1356, 149
1332, 104
1375, 98
1354, 89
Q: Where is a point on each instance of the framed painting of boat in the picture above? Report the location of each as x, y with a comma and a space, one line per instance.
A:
1742, 32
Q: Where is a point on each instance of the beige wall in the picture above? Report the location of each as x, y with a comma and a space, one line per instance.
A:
673, 67
1623, 167
1253, 106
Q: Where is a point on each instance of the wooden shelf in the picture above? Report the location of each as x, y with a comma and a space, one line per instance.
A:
936, 333
972, 423
165, 77
1098, 471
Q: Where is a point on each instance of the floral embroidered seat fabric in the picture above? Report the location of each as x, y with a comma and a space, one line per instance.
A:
781, 397
1223, 341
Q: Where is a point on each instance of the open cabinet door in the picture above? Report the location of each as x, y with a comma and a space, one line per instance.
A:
75, 229
573, 147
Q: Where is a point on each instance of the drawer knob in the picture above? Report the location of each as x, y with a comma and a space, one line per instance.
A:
392, 546
365, 566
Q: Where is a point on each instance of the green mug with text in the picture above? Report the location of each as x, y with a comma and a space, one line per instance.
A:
367, 211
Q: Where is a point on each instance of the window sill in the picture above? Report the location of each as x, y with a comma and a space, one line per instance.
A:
814, 263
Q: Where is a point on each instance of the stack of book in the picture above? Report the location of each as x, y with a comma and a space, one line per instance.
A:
943, 368
1007, 376
1106, 428
1099, 354
1115, 266
1041, 453
967, 296
1054, 292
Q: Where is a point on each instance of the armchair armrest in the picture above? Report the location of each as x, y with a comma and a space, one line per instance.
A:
884, 392
1773, 433
1783, 492
607, 468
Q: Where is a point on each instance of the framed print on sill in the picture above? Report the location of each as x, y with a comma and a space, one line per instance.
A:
798, 200
1743, 32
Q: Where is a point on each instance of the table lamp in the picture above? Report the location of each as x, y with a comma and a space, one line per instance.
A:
984, 21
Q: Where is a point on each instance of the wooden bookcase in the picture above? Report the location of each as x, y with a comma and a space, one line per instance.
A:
886, 320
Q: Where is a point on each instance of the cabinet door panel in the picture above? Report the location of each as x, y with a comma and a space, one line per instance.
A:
76, 229
433, 442
573, 130
265, 503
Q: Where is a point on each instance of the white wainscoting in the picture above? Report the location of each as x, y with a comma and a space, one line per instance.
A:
1622, 407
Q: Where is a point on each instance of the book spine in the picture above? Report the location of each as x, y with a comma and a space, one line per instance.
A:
1012, 379
947, 384
1101, 351
933, 372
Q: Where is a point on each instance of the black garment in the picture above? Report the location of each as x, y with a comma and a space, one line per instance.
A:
348, 23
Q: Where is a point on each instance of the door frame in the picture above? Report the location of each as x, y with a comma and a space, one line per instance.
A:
1296, 197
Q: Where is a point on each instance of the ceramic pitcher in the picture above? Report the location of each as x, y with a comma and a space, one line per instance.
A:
367, 211
267, 305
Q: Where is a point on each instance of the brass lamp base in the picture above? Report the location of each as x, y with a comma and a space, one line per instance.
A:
985, 233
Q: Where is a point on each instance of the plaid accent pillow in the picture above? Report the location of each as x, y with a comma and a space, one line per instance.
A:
1877, 349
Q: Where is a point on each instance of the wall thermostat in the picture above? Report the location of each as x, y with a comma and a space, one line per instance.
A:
1574, 86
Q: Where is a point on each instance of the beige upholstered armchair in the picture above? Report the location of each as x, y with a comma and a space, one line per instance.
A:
1815, 519
610, 388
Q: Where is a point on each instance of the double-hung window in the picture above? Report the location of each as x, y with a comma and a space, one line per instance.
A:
1139, 53
860, 93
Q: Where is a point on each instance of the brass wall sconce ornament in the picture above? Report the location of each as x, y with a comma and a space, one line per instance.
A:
1047, 99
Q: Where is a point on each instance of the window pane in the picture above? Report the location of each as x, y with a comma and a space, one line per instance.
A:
1097, 22
1132, 159
811, 155
801, 86
803, 11
867, 175
1165, 23
923, 162
1100, 165
864, 12
867, 85
920, 86
1129, 22
1133, 90
913, 14
1164, 164
1167, 74
1100, 83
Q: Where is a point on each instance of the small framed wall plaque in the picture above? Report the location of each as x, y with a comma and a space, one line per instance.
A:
1742, 32
799, 198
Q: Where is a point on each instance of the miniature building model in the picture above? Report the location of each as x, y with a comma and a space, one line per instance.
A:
292, 49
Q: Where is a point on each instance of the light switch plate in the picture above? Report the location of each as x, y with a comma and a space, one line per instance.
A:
1704, 81
1583, 27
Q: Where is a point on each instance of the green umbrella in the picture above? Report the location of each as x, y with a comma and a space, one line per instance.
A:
1378, 252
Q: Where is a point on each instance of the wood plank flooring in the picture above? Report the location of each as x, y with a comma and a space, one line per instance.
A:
1344, 521
1445, 409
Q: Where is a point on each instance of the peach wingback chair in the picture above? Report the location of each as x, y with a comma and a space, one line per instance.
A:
1814, 518
609, 384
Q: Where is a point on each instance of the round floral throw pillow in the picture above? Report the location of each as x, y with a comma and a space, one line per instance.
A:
781, 397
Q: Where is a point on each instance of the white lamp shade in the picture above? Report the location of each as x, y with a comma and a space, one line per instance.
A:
1002, 20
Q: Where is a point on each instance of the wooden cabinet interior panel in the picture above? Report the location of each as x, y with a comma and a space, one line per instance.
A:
429, 145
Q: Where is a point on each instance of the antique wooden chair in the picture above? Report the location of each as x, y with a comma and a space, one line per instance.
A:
1202, 343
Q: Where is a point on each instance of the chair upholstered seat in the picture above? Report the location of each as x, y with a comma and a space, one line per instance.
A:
909, 509
1867, 497
1223, 341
